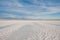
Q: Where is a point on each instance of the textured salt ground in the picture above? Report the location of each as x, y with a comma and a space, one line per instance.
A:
32, 31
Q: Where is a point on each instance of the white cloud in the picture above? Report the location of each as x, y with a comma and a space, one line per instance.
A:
41, 9
11, 3
51, 10
9, 15
18, 7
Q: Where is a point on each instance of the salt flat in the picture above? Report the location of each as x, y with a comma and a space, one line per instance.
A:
29, 30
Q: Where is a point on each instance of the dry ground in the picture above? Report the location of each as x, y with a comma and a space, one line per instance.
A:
29, 30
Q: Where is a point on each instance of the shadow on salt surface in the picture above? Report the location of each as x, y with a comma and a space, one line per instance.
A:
37, 24
6, 26
56, 24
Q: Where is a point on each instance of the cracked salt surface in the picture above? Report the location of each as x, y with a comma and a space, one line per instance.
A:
25, 30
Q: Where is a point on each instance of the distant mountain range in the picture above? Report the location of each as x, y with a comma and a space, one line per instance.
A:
28, 19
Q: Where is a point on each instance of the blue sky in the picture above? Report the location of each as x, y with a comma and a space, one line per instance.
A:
30, 9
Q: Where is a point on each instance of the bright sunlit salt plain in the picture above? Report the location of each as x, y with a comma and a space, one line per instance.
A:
29, 30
